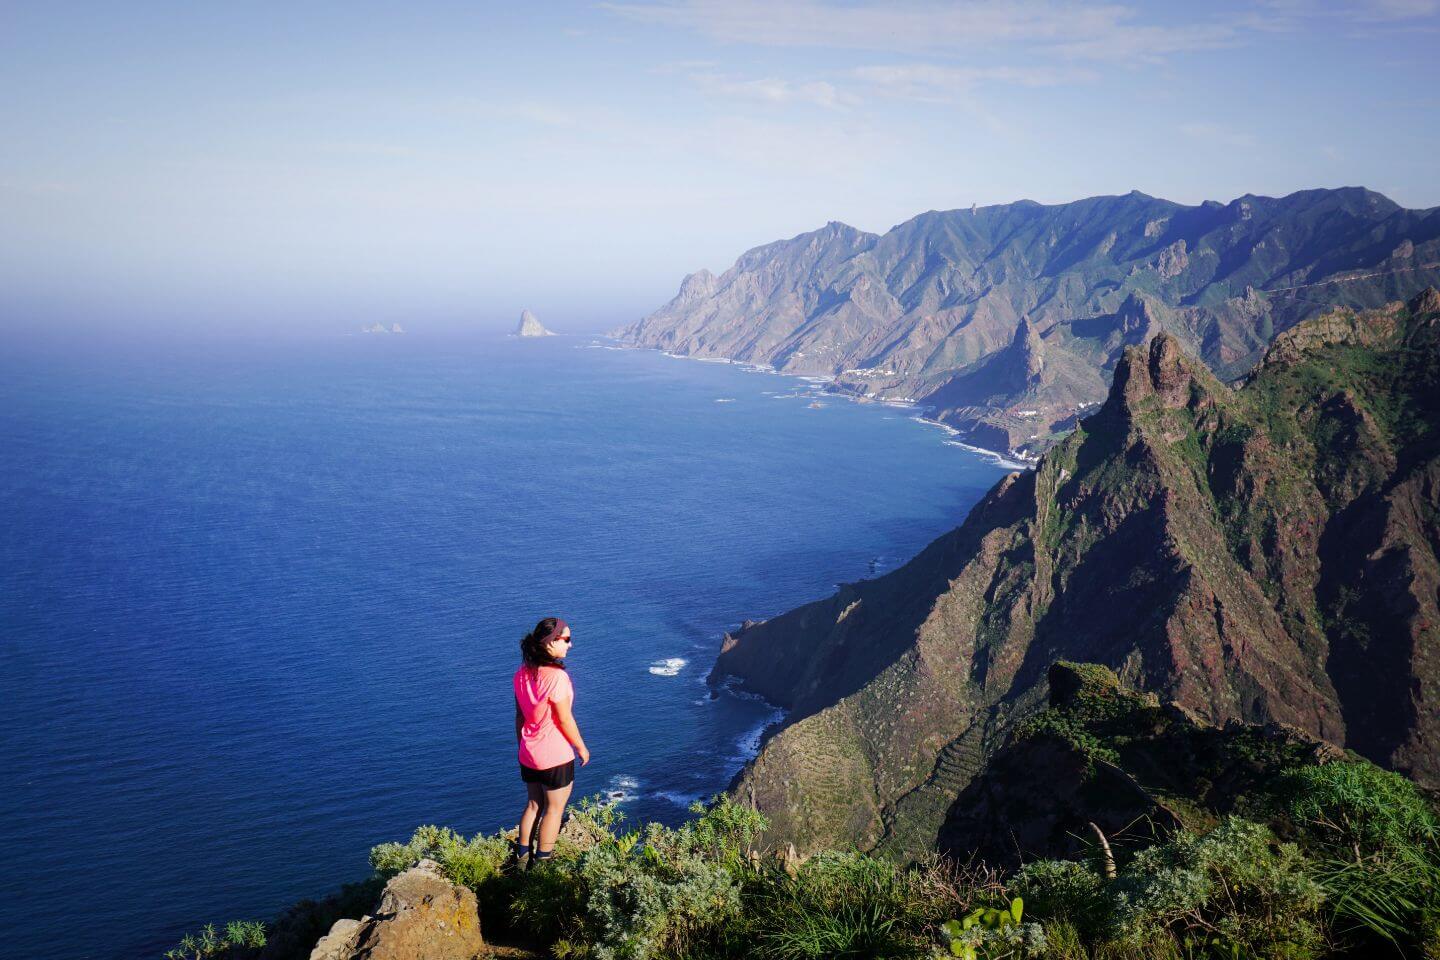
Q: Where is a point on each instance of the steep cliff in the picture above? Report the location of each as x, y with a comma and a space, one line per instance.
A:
1010, 319
1267, 553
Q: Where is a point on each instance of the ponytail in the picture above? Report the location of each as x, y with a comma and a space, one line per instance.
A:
533, 644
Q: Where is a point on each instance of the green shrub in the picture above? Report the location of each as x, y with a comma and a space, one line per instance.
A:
1236, 885
639, 902
835, 905
1063, 890
995, 933
1358, 806
1072, 729
592, 820
470, 863
239, 935
723, 829
1373, 838
245, 933
654, 892
549, 903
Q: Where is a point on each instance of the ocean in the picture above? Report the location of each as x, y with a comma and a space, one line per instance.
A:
260, 605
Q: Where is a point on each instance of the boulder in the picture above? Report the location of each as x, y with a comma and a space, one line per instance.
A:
339, 943
421, 916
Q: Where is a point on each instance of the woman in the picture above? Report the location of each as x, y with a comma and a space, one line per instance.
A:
547, 736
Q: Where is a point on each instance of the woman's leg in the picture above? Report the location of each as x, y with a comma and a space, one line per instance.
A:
555, 801
532, 813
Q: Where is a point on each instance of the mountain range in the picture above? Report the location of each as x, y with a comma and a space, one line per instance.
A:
1008, 321
1266, 553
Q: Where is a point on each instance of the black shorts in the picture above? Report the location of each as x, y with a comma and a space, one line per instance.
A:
551, 778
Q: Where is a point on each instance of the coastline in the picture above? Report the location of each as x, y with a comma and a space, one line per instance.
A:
1010, 459
750, 743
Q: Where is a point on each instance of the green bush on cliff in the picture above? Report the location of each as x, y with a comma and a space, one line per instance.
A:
470, 862
697, 890
640, 903
835, 905
1236, 883
995, 933
1357, 805
1071, 729
1357, 862
1375, 842
651, 893
1063, 889
239, 936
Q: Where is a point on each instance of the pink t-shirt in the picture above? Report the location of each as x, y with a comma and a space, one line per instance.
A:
542, 745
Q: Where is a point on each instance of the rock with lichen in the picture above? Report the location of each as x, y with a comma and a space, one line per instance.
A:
421, 914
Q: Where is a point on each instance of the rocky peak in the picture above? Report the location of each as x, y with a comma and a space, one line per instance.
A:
530, 326
1425, 302
696, 286
1028, 353
1155, 369
1136, 319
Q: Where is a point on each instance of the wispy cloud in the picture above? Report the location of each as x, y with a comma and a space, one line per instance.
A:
1101, 31
817, 93
1296, 13
1391, 10
937, 83
1140, 43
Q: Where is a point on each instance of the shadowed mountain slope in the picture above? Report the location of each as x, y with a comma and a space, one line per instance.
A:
1009, 320
1267, 553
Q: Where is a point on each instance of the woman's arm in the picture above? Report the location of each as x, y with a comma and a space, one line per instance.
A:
565, 720
519, 721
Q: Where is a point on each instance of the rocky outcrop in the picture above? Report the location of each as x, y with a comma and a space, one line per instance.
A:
1267, 554
421, 914
934, 309
1103, 757
529, 326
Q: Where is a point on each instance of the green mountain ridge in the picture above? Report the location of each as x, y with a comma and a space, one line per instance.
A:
1009, 320
1265, 554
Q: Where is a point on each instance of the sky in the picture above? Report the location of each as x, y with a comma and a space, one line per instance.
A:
271, 167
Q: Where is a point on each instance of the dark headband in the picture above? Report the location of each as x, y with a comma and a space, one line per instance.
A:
560, 627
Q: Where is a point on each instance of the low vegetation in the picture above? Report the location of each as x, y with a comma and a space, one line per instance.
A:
1276, 853
1347, 866
238, 935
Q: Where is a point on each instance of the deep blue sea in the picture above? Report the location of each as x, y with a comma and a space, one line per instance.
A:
259, 606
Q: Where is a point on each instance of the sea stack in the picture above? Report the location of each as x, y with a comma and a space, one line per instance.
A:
531, 327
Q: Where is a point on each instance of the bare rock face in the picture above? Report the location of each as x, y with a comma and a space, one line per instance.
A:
421, 916
1425, 303
339, 943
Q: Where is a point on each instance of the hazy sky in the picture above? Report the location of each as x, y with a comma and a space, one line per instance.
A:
433, 164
